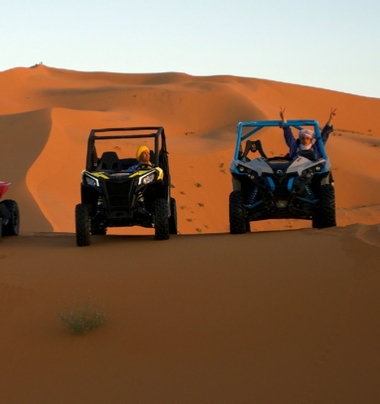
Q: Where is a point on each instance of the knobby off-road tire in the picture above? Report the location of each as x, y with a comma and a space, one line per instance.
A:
82, 225
247, 226
1, 227
161, 222
13, 226
173, 217
238, 222
325, 214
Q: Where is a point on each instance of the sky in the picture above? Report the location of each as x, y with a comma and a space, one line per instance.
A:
333, 44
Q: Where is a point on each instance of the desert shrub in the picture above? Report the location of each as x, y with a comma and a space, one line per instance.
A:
82, 317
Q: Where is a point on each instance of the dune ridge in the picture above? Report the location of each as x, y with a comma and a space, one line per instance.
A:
199, 115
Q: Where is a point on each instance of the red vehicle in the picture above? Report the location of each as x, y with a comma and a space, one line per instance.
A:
9, 213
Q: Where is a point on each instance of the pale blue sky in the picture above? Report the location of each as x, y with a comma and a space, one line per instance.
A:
326, 44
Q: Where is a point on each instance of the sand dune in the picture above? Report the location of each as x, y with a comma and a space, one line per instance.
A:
288, 315
47, 114
250, 318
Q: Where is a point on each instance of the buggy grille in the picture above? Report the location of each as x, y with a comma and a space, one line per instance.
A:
119, 193
118, 187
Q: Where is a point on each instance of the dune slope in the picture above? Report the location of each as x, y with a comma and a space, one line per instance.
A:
245, 320
205, 317
48, 113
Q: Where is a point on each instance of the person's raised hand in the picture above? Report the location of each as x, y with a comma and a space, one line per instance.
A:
331, 116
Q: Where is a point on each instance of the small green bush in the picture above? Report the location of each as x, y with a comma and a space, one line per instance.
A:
82, 318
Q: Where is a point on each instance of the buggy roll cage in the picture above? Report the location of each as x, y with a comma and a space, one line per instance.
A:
257, 125
157, 134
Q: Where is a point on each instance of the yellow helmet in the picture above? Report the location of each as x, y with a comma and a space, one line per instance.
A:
140, 150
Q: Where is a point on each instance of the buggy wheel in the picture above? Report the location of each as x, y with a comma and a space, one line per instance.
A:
161, 222
238, 221
315, 223
173, 217
1, 227
82, 224
325, 214
247, 226
13, 226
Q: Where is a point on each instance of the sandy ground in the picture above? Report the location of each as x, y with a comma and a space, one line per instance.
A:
284, 314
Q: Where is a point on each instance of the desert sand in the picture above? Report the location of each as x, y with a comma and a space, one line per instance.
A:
284, 314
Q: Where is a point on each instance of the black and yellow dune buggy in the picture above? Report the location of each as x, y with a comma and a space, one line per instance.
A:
113, 197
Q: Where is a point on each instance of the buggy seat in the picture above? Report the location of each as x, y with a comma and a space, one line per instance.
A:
109, 161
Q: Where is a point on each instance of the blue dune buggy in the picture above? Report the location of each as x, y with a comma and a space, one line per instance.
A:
275, 186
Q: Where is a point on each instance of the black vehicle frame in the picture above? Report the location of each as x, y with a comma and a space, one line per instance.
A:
110, 195
9, 213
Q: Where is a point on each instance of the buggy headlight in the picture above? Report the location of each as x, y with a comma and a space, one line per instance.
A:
147, 179
310, 171
245, 170
319, 167
93, 182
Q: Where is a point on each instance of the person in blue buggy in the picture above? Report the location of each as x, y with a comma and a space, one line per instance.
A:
305, 136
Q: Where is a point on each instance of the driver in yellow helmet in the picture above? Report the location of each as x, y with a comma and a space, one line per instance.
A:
143, 158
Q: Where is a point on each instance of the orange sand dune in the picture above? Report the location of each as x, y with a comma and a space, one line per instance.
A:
253, 318
205, 317
47, 114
